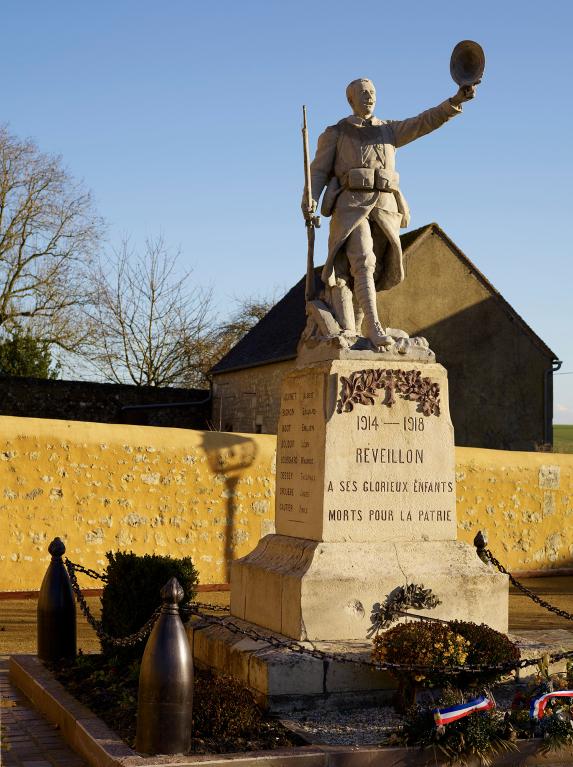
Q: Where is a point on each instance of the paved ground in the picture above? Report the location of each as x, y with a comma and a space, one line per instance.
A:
28, 740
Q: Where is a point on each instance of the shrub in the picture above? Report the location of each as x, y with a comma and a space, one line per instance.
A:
225, 715
131, 593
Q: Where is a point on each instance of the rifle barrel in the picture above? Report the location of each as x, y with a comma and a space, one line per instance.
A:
306, 161
310, 222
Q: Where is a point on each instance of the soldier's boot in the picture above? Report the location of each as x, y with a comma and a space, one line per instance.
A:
343, 308
366, 296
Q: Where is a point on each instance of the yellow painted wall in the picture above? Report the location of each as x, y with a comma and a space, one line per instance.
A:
106, 486
524, 501
211, 496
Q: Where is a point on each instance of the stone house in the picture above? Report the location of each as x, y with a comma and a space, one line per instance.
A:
499, 370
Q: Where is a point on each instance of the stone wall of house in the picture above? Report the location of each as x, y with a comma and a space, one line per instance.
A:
210, 495
103, 402
498, 374
249, 400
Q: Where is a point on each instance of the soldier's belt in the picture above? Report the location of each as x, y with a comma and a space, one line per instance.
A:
369, 179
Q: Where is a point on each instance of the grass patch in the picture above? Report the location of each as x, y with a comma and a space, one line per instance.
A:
225, 716
563, 438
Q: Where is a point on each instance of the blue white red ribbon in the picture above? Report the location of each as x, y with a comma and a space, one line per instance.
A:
537, 707
451, 714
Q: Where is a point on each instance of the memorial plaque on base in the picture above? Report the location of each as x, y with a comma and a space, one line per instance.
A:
366, 453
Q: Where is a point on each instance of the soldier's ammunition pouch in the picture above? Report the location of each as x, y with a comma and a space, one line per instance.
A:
360, 179
369, 179
386, 180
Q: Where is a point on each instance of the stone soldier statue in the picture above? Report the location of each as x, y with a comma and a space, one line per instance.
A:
355, 161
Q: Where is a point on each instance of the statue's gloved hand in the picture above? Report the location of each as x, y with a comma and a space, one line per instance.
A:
306, 212
465, 93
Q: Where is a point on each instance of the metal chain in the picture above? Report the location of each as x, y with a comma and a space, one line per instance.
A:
206, 606
276, 642
279, 643
128, 641
87, 571
486, 553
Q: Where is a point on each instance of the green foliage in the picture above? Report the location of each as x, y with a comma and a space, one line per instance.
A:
557, 731
479, 736
131, 593
108, 686
487, 647
23, 355
225, 716
563, 438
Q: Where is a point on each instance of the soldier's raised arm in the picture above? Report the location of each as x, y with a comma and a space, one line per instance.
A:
428, 121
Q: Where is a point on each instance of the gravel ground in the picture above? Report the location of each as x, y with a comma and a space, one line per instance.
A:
359, 727
368, 726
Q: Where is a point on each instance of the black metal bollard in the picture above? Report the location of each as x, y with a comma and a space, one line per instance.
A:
165, 698
56, 609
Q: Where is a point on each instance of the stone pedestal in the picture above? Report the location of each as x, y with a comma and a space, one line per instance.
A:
325, 591
365, 502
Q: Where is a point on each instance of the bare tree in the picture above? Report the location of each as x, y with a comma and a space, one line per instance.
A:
247, 314
48, 233
148, 325
226, 334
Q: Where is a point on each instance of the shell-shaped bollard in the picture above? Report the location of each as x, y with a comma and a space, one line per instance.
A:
165, 698
56, 609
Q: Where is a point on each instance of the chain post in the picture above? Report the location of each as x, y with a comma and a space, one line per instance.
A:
56, 624
165, 698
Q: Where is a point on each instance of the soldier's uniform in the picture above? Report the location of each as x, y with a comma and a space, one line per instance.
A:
355, 161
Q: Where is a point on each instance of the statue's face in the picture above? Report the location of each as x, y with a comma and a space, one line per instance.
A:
364, 99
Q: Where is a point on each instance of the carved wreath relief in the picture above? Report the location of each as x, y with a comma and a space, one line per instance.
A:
363, 387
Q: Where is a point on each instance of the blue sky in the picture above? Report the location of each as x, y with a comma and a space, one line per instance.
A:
184, 118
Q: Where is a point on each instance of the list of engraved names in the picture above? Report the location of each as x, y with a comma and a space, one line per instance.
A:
300, 448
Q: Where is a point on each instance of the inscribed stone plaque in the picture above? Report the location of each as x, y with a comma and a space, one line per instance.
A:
366, 453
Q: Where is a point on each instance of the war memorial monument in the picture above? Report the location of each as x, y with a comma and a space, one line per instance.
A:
365, 466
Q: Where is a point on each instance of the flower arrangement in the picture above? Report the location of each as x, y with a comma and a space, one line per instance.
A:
487, 648
478, 737
420, 644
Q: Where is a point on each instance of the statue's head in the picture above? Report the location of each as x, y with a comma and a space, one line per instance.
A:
361, 95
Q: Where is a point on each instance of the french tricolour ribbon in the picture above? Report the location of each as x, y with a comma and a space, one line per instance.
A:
537, 707
453, 713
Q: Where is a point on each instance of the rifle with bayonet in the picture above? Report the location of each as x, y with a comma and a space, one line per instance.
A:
312, 221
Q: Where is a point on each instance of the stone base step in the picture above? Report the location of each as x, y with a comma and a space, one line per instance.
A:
283, 681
